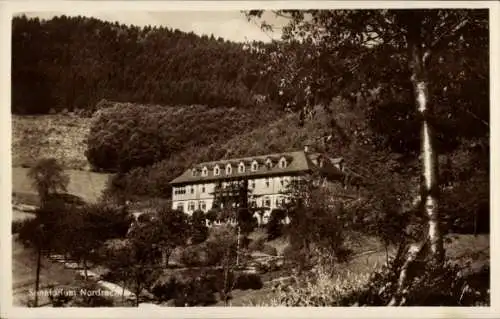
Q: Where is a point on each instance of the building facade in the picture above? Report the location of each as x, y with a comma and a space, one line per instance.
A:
267, 177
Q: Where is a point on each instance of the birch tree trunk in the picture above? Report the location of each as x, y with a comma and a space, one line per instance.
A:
419, 57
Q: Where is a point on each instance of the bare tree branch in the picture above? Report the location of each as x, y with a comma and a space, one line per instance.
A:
449, 34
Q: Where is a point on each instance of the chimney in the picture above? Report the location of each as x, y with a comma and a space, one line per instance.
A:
306, 148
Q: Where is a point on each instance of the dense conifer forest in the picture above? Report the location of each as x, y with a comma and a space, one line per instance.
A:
80, 61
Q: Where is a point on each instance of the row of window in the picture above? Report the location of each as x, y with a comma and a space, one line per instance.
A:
266, 202
241, 168
182, 190
192, 206
267, 182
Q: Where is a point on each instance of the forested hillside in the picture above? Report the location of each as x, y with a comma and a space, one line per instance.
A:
80, 61
180, 98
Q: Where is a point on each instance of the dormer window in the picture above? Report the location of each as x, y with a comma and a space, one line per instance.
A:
321, 162
283, 162
229, 169
216, 170
255, 166
269, 163
204, 171
194, 172
241, 168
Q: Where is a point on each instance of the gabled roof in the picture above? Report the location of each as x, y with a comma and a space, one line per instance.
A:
297, 162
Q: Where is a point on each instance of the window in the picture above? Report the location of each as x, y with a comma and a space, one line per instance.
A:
216, 170
202, 206
255, 166
203, 188
267, 182
180, 207
283, 162
195, 171
180, 191
192, 189
252, 203
282, 181
228, 169
267, 202
269, 163
280, 202
204, 172
241, 168
191, 206
252, 184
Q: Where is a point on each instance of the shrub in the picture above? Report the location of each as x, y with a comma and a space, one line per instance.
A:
19, 225
245, 241
191, 289
197, 256
211, 215
246, 221
197, 291
199, 229
166, 289
257, 245
248, 281
113, 220
270, 250
275, 225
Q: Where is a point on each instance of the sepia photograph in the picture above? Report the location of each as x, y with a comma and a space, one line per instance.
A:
247, 156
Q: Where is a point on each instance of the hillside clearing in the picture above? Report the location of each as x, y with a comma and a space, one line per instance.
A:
59, 136
87, 185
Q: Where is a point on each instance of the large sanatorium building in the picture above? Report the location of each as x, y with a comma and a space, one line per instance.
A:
267, 176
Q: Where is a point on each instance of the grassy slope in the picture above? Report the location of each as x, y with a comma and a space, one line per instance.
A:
87, 185
459, 249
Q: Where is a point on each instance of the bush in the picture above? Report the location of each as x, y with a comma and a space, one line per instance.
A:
191, 289
196, 292
270, 250
196, 256
199, 229
113, 220
275, 225
211, 215
19, 225
248, 281
245, 241
166, 289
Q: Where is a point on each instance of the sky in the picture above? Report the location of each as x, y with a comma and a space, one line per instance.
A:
230, 25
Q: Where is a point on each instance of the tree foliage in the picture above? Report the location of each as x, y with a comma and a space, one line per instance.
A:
127, 136
199, 229
81, 60
390, 64
317, 224
386, 59
48, 178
